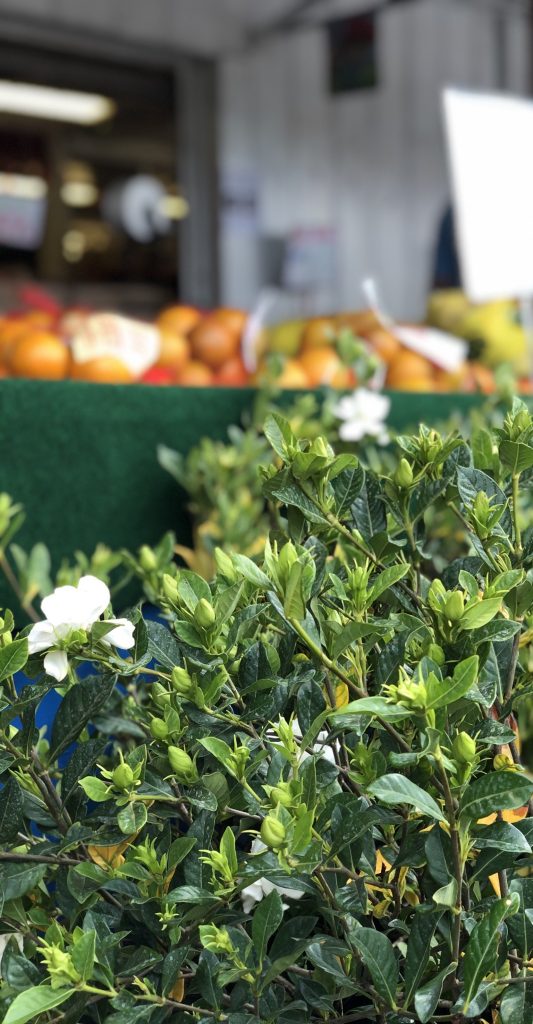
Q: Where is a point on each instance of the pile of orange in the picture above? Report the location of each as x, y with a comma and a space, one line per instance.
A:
202, 350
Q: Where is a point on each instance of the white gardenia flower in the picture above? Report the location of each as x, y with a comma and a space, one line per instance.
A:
257, 891
69, 608
364, 414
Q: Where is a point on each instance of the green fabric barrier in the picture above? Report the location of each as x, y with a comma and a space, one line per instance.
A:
82, 458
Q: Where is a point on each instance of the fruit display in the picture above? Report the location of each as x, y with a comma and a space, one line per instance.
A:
493, 330
190, 348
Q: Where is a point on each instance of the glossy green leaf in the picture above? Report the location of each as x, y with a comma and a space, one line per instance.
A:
266, 920
396, 789
482, 948
495, 791
377, 954
28, 1005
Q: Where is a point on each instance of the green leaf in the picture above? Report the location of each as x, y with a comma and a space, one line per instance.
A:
95, 789
346, 487
289, 493
470, 481
357, 631
446, 895
28, 1005
219, 749
278, 433
501, 835
387, 579
77, 708
227, 847
516, 455
368, 509
495, 791
82, 760
266, 920
373, 706
427, 997
482, 948
326, 954
395, 789
378, 957
132, 818
18, 879
162, 645
418, 949
11, 811
83, 954
442, 694
13, 658
479, 614
516, 1005
293, 602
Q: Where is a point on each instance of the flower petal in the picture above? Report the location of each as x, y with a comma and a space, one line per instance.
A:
122, 636
40, 637
56, 664
251, 895
61, 606
95, 595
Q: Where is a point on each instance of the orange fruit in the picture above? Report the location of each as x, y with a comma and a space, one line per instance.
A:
103, 370
3, 371
480, 378
213, 343
40, 318
317, 333
174, 352
11, 329
361, 323
181, 319
232, 374
409, 372
525, 386
41, 355
384, 344
323, 366
233, 319
195, 375
293, 375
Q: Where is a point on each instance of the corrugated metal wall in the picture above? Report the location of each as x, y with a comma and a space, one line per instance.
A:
370, 165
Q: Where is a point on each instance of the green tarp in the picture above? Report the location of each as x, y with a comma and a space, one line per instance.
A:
82, 458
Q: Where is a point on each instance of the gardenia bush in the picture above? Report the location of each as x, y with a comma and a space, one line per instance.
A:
300, 798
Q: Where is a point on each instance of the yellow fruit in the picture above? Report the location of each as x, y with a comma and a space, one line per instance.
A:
285, 339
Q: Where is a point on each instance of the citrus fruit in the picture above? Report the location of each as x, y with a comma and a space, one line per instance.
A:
180, 319
213, 343
293, 375
361, 323
322, 366
195, 375
41, 355
232, 374
318, 332
410, 372
234, 320
384, 344
11, 329
103, 370
174, 351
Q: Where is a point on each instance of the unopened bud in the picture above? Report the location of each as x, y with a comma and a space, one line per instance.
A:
281, 795
455, 606
181, 681
464, 748
147, 558
204, 613
403, 476
123, 776
160, 696
182, 765
436, 653
272, 832
159, 729
170, 588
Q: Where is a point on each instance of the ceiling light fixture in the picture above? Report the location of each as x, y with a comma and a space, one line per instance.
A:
54, 104
79, 193
174, 207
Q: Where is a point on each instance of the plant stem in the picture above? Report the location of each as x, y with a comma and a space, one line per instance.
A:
457, 867
517, 534
14, 584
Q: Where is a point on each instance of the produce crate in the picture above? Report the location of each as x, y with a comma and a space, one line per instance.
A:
82, 458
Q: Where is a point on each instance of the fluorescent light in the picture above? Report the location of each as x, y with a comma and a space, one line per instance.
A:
79, 193
23, 186
173, 207
54, 104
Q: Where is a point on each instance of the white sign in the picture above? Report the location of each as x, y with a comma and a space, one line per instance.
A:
490, 143
135, 343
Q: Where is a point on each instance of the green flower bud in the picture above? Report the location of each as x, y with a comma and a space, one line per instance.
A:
503, 762
182, 765
147, 558
272, 832
170, 588
123, 776
159, 729
464, 748
455, 606
225, 565
320, 447
403, 476
181, 681
204, 613
436, 653
281, 795
160, 696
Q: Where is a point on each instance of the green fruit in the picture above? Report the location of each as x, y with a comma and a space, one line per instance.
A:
181, 681
147, 559
204, 613
182, 765
403, 476
159, 729
123, 776
272, 832
455, 606
285, 338
464, 748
